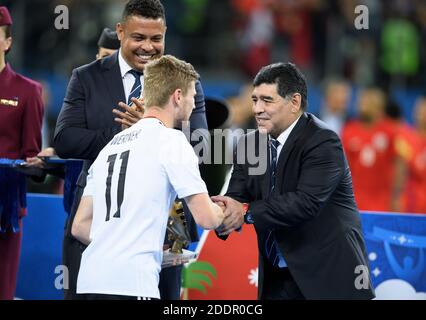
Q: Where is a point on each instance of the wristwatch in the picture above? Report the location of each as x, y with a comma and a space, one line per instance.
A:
248, 217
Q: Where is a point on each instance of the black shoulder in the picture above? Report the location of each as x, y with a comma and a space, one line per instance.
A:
90, 67
99, 64
318, 123
319, 129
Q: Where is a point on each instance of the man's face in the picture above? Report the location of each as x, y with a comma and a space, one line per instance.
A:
370, 106
5, 43
104, 52
273, 113
186, 106
142, 40
337, 97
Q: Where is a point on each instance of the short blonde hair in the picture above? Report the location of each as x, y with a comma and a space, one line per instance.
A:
163, 76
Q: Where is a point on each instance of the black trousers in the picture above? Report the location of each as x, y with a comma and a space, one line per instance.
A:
71, 258
72, 250
279, 285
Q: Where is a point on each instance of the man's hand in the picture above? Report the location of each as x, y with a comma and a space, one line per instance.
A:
221, 204
234, 214
37, 161
131, 114
48, 152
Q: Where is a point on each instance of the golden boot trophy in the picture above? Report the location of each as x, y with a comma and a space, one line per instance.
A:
176, 226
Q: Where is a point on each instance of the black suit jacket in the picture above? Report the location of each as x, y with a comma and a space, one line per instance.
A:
312, 212
86, 122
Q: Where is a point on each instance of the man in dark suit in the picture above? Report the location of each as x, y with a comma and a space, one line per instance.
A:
86, 122
108, 44
303, 208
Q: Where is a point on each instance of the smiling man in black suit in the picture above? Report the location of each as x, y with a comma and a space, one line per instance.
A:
86, 122
303, 207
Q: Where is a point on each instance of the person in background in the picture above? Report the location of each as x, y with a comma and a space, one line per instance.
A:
405, 147
370, 146
21, 116
108, 43
416, 186
334, 110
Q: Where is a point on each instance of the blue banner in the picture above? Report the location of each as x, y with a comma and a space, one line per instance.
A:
396, 245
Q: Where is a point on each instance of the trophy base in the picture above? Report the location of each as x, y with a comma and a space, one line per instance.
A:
171, 259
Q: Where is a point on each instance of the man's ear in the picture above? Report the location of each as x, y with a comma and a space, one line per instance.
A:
119, 30
177, 96
296, 102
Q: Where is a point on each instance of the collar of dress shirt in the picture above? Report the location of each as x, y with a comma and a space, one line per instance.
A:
282, 138
124, 66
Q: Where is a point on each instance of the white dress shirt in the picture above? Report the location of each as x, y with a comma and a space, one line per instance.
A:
282, 138
127, 78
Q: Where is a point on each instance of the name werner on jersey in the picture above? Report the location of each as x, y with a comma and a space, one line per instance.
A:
123, 138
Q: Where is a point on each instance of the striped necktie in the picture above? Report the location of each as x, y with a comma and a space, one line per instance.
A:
274, 155
137, 86
271, 247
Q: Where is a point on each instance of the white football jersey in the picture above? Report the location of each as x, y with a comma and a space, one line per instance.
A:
133, 182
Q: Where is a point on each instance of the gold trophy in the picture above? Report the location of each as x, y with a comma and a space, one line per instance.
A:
179, 237
177, 228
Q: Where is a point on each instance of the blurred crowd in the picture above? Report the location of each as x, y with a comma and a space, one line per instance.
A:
234, 38
320, 36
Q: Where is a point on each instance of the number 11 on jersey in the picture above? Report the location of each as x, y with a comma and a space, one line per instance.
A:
124, 157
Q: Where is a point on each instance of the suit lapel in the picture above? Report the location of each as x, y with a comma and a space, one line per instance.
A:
289, 145
112, 75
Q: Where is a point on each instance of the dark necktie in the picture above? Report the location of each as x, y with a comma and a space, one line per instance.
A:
271, 247
274, 155
136, 89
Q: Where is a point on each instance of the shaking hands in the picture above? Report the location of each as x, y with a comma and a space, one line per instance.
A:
234, 214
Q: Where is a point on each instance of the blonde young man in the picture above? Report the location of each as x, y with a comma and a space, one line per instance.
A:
132, 185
